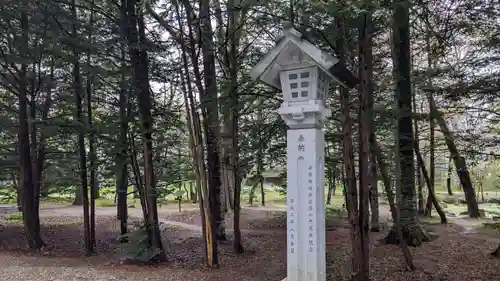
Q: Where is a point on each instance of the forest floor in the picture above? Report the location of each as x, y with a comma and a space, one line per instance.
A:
458, 253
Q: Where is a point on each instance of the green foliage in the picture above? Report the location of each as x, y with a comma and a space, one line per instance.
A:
14, 217
8, 196
108, 192
104, 202
57, 199
164, 190
332, 212
451, 200
492, 225
62, 190
137, 246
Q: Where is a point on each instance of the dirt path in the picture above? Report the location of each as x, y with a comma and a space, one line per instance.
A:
76, 211
468, 226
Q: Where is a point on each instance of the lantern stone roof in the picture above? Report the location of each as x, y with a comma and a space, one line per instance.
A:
291, 42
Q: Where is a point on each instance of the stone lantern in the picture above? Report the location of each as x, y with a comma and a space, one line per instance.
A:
303, 73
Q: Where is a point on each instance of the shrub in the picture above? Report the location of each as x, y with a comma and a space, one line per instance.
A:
331, 212
104, 203
136, 245
451, 200
8, 195
493, 201
14, 217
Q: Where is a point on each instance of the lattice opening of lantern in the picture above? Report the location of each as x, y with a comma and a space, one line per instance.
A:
322, 87
299, 83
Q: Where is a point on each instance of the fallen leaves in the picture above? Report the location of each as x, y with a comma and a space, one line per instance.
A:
452, 256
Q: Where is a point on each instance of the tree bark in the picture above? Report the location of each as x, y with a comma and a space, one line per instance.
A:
251, 193
94, 190
432, 143
420, 192
210, 108
16, 180
78, 91
358, 242
460, 163
234, 23
260, 180
211, 256
139, 61
411, 229
40, 150
430, 186
367, 117
374, 205
377, 151
448, 177
121, 160
365, 133
31, 218
331, 187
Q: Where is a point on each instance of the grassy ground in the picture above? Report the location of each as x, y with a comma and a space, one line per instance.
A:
451, 204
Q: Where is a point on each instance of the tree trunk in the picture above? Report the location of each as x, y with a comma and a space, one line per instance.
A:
460, 163
260, 179
432, 143
211, 255
192, 193
374, 205
377, 151
37, 169
331, 187
234, 31
411, 229
139, 61
344, 181
94, 190
17, 184
77, 87
428, 205
420, 192
368, 168
365, 134
430, 186
139, 185
448, 177
251, 193
262, 194
121, 160
357, 222
40, 151
210, 108
31, 219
